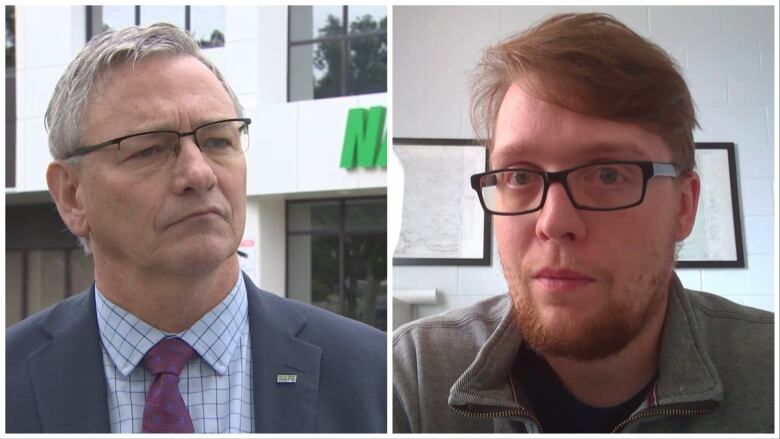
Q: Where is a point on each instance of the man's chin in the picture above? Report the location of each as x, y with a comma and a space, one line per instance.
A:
202, 257
561, 333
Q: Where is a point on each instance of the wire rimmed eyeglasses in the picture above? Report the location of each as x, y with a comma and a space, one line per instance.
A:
215, 139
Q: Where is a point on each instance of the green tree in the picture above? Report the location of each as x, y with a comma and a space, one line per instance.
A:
217, 39
327, 58
366, 58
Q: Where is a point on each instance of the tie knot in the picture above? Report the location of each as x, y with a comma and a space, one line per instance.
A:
168, 356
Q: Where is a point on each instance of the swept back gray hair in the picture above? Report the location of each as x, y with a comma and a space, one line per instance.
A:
65, 113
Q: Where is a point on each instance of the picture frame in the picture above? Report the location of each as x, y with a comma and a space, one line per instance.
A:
443, 222
716, 239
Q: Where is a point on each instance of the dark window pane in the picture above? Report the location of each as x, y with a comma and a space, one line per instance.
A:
167, 14
10, 96
207, 25
366, 279
311, 22
345, 269
313, 271
366, 214
313, 216
82, 271
368, 65
301, 78
45, 278
315, 71
367, 19
114, 17
10, 37
13, 287
327, 69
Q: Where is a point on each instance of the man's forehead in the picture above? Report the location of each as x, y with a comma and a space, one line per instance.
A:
156, 93
530, 129
580, 152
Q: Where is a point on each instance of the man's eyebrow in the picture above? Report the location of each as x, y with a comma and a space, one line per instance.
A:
608, 148
596, 150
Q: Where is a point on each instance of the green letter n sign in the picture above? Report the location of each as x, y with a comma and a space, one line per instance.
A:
365, 142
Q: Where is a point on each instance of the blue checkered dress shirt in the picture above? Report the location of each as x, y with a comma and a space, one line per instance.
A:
216, 385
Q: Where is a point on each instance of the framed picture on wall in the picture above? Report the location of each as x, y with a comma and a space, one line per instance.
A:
442, 222
716, 239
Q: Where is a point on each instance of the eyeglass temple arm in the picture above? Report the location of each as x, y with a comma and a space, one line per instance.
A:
665, 170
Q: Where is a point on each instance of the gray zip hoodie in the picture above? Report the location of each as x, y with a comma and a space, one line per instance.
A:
716, 372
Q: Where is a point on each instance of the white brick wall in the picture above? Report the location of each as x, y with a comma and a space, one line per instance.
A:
727, 57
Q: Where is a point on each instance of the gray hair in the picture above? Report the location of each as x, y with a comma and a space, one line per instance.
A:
65, 114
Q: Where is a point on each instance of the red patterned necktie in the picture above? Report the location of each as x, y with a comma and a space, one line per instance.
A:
165, 411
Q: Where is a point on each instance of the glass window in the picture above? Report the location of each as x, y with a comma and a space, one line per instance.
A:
168, 14
313, 216
311, 22
44, 263
341, 267
10, 36
117, 17
364, 19
368, 65
315, 71
14, 306
82, 271
365, 280
207, 25
370, 214
314, 278
45, 278
10, 96
328, 58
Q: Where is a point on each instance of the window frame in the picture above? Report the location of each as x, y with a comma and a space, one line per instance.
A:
344, 38
137, 21
10, 106
342, 233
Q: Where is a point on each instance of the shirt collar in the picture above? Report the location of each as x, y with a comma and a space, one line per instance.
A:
126, 338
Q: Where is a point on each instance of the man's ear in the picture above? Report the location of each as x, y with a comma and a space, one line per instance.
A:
64, 186
688, 204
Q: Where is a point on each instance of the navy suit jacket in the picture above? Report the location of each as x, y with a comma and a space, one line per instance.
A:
55, 382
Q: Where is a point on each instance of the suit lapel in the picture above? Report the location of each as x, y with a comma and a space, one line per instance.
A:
67, 374
279, 357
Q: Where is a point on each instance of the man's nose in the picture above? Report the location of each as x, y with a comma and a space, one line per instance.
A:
559, 220
193, 170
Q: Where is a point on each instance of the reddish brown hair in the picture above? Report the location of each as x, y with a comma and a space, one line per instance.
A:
594, 65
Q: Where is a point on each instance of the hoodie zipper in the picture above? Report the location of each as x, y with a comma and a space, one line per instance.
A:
670, 410
483, 412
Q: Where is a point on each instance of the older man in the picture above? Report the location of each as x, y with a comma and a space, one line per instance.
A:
149, 171
592, 184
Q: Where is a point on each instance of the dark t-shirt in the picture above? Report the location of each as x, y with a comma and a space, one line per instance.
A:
559, 411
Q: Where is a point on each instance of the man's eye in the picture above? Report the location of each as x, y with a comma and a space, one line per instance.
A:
520, 178
146, 153
218, 143
609, 176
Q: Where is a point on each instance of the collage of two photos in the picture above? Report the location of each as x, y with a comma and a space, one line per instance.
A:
390, 219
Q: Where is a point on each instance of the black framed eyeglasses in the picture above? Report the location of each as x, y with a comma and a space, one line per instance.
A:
215, 140
603, 186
